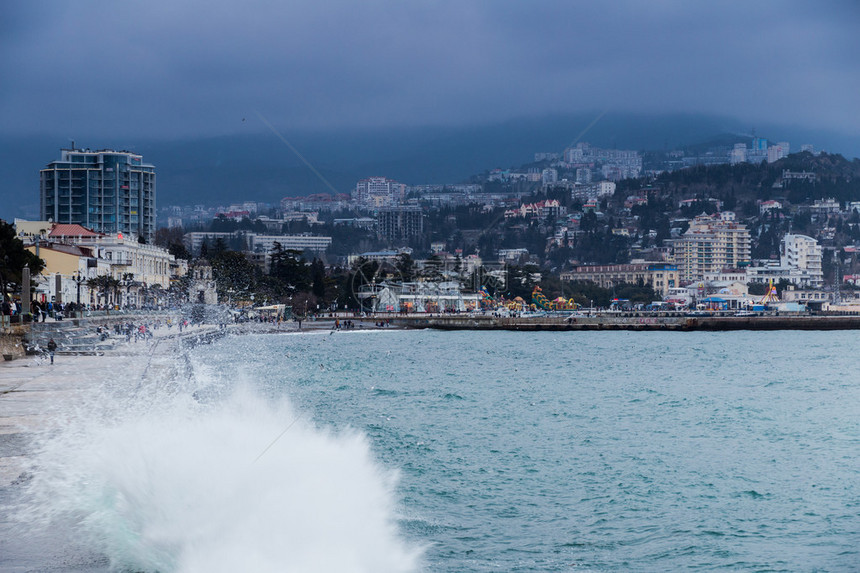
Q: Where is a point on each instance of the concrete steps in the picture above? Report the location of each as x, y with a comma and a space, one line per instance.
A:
71, 336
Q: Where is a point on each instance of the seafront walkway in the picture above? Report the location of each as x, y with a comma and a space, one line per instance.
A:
31, 387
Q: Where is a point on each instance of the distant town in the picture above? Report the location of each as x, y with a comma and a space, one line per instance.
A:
738, 227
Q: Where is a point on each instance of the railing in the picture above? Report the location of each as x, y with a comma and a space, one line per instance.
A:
118, 313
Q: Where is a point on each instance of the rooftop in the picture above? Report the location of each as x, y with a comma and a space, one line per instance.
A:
72, 230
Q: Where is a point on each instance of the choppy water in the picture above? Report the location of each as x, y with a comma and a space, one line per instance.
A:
480, 452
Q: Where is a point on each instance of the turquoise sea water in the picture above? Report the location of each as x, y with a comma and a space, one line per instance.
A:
593, 451
386, 450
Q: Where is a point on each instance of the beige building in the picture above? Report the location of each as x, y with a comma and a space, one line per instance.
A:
67, 270
659, 276
710, 245
74, 254
147, 263
29, 231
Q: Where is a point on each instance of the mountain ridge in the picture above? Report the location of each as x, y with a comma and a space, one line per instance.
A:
260, 166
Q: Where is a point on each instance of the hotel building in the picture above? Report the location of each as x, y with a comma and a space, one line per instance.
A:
106, 191
659, 276
710, 245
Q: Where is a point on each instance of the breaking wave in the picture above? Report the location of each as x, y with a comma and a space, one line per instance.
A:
235, 482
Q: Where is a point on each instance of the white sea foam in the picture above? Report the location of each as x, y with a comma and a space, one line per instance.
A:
170, 483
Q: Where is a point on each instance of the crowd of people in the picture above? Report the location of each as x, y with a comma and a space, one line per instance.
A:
41, 310
144, 330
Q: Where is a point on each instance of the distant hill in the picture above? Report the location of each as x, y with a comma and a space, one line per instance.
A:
743, 184
721, 140
259, 166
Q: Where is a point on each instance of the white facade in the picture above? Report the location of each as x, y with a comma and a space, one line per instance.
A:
259, 243
710, 245
766, 206
549, 176
149, 264
265, 243
804, 254
379, 192
604, 189
193, 241
418, 297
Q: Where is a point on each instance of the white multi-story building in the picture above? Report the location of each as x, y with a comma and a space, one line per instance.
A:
804, 254
146, 263
265, 243
766, 206
825, 207
594, 191
710, 245
194, 241
777, 152
379, 192
604, 189
800, 263
618, 163
257, 242
549, 176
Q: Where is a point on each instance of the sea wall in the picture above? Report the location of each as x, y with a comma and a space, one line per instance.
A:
632, 321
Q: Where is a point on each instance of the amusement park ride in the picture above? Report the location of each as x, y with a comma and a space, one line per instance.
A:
770, 295
538, 302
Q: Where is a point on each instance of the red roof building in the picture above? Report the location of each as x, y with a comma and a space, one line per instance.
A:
71, 230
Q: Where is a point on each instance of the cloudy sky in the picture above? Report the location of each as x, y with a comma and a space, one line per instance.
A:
169, 69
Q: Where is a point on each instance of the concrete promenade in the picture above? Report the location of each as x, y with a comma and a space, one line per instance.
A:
30, 386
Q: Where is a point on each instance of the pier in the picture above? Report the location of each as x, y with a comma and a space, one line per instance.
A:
630, 321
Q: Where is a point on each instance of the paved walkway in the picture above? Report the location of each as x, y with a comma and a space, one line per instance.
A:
31, 386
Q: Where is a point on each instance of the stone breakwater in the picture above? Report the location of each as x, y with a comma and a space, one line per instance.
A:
631, 321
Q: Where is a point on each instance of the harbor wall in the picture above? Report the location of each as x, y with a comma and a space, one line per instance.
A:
631, 322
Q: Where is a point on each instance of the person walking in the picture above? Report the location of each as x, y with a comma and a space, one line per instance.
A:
52, 347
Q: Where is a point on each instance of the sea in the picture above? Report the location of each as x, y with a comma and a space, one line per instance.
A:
375, 450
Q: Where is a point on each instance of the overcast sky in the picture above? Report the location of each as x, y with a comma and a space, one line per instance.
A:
178, 68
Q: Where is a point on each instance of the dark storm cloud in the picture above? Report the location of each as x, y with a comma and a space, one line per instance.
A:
178, 68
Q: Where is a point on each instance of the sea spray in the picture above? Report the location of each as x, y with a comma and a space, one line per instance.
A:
169, 482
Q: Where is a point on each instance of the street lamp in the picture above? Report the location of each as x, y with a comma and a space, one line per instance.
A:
3, 274
79, 280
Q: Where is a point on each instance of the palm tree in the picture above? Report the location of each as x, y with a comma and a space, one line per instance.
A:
103, 284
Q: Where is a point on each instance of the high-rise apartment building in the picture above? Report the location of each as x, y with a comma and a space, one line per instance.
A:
710, 245
399, 223
107, 191
379, 192
803, 254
